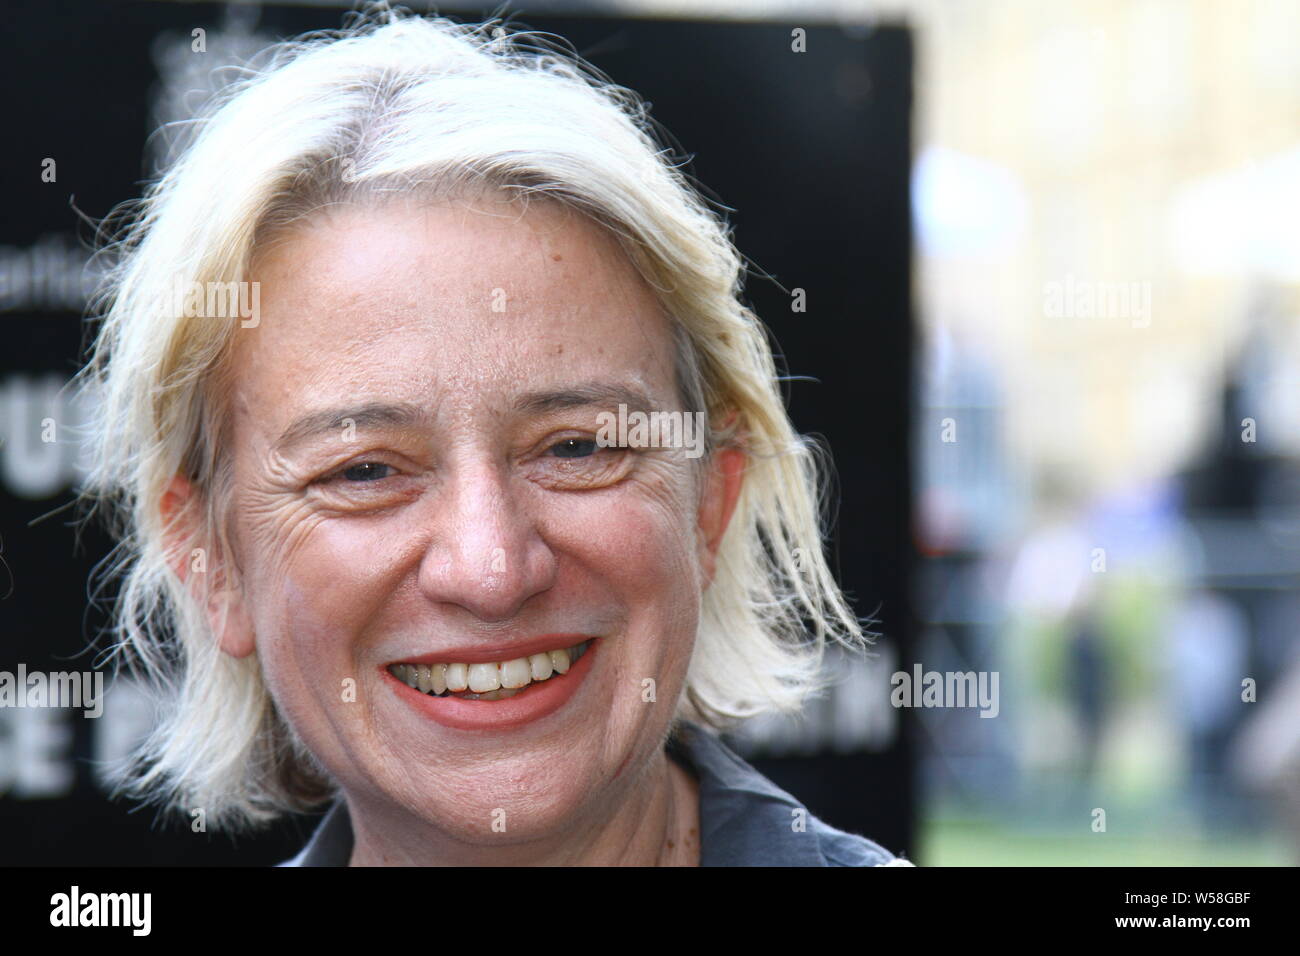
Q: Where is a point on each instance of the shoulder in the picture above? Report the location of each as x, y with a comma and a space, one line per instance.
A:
747, 820
848, 849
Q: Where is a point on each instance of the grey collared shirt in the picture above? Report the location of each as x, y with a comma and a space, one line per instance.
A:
745, 819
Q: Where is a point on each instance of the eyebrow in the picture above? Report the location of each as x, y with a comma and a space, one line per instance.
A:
594, 393
406, 415
369, 415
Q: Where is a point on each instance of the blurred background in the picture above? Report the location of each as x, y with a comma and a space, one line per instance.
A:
1107, 206
1050, 329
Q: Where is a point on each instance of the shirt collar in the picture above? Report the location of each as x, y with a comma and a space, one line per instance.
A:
745, 819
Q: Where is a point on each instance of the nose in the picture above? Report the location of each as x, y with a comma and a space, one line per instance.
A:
485, 554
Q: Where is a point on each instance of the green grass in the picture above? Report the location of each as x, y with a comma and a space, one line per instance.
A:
966, 842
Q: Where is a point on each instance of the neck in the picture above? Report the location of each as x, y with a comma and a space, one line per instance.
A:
655, 822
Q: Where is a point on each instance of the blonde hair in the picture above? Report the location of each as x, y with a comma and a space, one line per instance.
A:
397, 104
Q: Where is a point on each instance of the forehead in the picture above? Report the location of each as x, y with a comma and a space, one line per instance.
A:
446, 304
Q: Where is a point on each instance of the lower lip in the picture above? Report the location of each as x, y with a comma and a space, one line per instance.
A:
534, 702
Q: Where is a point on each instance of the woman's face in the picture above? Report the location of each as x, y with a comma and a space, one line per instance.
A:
417, 482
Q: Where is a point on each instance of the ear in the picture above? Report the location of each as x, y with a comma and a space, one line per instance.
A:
721, 491
199, 568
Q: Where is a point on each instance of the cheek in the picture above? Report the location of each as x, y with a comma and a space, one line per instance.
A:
642, 545
318, 591
313, 607
641, 550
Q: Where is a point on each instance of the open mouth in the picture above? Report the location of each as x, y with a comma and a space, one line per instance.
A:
492, 680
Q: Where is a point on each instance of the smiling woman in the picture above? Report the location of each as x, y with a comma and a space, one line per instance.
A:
376, 546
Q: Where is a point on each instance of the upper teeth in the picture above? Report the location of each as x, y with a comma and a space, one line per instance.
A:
484, 678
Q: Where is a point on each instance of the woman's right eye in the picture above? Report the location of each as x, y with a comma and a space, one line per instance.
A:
366, 471
575, 448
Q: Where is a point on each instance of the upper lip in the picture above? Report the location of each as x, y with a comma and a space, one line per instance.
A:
487, 653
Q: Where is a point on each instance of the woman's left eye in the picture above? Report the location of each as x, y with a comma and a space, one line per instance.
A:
581, 463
